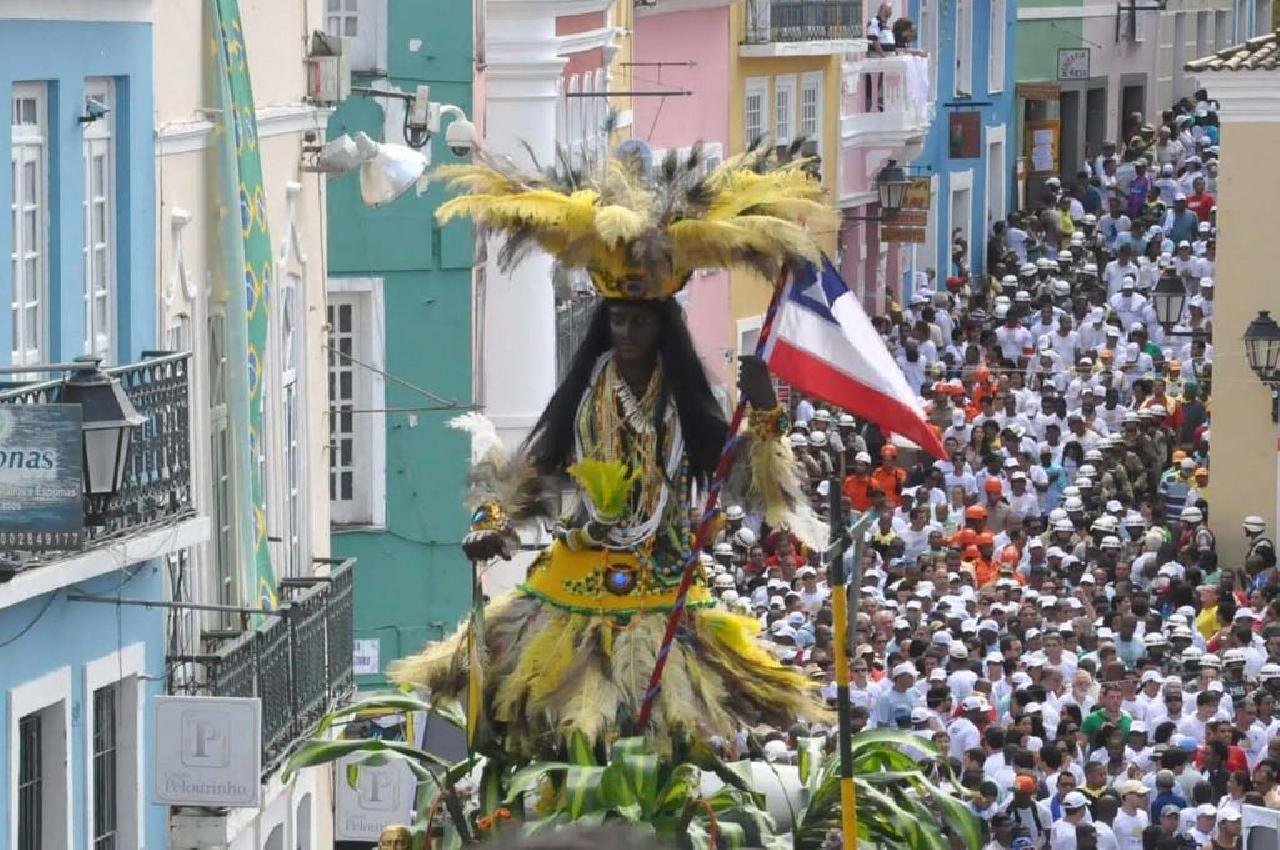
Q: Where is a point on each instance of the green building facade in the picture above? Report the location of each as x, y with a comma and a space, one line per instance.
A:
400, 317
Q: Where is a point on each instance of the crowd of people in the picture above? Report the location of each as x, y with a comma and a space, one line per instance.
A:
1047, 606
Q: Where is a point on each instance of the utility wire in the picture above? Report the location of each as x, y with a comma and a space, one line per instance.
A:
448, 403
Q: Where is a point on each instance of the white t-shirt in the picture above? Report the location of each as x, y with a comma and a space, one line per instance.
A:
1128, 829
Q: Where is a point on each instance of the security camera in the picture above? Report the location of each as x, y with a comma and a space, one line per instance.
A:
461, 137
94, 110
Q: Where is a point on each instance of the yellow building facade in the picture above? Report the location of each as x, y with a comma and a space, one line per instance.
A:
1245, 80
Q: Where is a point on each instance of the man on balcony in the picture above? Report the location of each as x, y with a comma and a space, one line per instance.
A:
879, 32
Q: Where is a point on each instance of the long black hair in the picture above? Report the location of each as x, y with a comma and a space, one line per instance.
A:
550, 443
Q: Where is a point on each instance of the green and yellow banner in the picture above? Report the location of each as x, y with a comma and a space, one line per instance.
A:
245, 254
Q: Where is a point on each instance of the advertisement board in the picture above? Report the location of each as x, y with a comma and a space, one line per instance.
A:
41, 478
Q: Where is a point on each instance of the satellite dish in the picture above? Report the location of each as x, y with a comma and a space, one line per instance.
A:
637, 150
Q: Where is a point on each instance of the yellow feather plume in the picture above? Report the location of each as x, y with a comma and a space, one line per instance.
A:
639, 237
616, 223
607, 483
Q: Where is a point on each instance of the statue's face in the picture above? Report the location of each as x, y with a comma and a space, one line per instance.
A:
634, 328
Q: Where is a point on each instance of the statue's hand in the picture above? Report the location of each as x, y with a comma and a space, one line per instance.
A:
487, 545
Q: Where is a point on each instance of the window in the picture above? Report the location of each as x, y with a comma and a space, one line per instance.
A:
30, 783
225, 544
753, 110
291, 425
182, 628
964, 48
105, 705
961, 209
28, 204
995, 49
356, 346
784, 110
342, 17
811, 109
995, 183
39, 793
363, 26
112, 728
929, 40
99, 224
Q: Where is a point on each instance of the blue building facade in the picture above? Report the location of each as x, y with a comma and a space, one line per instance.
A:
77, 678
968, 153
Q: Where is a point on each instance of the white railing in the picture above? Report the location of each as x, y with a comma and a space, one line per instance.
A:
886, 95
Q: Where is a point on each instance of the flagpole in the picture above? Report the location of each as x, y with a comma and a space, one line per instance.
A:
841, 539
706, 522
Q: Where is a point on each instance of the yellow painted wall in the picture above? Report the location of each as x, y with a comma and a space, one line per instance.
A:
749, 294
1244, 448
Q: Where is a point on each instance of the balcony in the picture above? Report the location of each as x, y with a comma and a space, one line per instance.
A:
800, 27
157, 484
299, 662
885, 112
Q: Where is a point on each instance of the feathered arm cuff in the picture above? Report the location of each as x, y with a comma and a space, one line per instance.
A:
502, 490
766, 478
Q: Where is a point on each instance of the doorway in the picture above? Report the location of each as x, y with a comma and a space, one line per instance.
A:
1070, 140
1095, 121
1133, 98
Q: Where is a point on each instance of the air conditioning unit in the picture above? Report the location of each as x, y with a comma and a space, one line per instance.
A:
328, 70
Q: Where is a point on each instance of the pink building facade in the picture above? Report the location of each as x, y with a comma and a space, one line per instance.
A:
664, 45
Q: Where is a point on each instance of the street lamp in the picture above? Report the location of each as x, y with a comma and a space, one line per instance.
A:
1262, 350
1168, 299
107, 421
891, 189
891, 184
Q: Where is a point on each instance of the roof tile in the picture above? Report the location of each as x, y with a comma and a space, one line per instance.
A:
1256, 54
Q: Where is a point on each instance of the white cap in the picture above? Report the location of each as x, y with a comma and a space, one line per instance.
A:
904, 669
1074, 800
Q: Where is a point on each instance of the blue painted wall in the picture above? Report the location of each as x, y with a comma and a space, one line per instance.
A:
996, 109
69, 634
413, 583
62, 54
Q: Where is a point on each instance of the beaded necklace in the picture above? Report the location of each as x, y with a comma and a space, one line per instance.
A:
613, 425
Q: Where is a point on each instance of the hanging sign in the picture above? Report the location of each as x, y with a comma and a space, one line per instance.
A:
911, 222
368, 798
208, 751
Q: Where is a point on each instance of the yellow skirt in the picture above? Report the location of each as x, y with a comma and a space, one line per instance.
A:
597, 581
561, 652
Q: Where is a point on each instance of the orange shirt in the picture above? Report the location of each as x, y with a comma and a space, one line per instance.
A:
890, 480
857, 489
984, 572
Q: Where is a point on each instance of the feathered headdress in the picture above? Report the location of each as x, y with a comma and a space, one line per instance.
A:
640, 235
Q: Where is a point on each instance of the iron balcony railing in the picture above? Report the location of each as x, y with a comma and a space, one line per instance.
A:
802, 20
157, 482
299, 663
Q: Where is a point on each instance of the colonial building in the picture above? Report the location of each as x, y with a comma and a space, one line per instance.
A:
400, 302
240, 263
77, 673
1245, 81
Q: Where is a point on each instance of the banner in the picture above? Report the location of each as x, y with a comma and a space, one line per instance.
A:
246, 257
911, 223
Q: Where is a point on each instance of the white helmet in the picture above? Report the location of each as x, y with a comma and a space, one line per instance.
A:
1255, 523
1192, 653
1057, 515
744, 537
1191, 514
